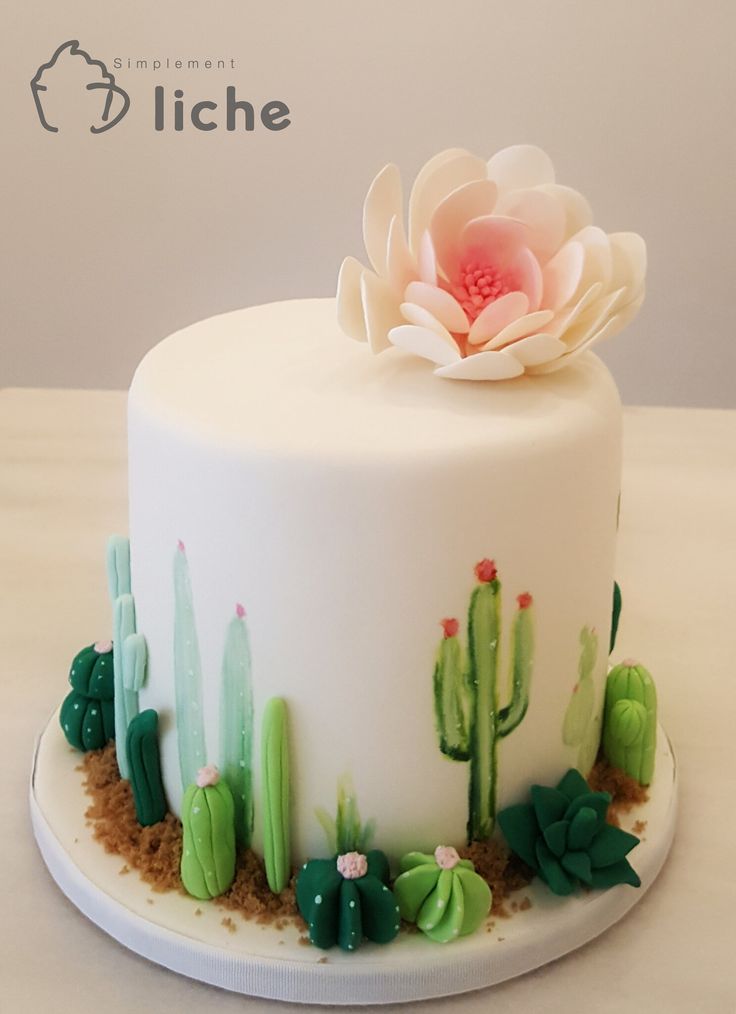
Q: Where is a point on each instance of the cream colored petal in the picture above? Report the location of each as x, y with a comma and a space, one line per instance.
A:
629, 257
349, 302
521, 166
472, 200
544, 215
520, 328
536, 348
438, 178
427, 260
381, 310
593, 319
597, 265
498, 315
425, 342
494, 239
444, 307
578, 213
567, 317
401, 268
483, 366
383, 202
561, 275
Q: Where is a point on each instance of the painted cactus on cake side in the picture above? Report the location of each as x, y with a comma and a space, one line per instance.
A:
470, 721
208, 846
581, 726
630, 721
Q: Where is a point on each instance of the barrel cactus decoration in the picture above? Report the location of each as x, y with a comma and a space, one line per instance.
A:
276, 793
347, 898
630, 721
581, 726
442, 894
208, 848
145, 768
87, 715
470, 722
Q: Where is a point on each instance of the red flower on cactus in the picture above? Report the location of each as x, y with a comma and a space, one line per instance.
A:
450, 627
524, 600
486, 571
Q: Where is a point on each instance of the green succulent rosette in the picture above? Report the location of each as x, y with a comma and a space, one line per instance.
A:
347, 898
442, 894
563, 836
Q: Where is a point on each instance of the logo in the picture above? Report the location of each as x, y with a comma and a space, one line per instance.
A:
73, 92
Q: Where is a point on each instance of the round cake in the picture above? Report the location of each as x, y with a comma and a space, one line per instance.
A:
419, 568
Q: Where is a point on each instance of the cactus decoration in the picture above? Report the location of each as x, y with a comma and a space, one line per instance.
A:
145, 768
470, 722
208, 848
276, 793
87, 715
442, 894
347, 898
129, 661
346, 833
581, 726
236, 724
187, 675
630, 721
563, 835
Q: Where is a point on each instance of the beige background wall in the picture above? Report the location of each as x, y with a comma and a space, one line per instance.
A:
111, 241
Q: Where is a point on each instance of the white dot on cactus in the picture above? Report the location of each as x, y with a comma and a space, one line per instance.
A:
396, 926
72, 672
440, 902
351, 947
76, 707
66, 728
195, 809
455, 931
385, 888
93, 711
318, 899
304, 866
242, 763
352, 904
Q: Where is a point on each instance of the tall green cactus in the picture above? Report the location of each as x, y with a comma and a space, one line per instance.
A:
630, 721
580, 727
187, 675
129, 666
145, 768
470, 721
276, 793
208, 846
236, 724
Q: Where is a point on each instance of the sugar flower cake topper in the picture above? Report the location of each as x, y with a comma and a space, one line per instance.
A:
502, 272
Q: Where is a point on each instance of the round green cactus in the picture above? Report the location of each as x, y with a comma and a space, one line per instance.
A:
208, 848
91, 672
88, 724
630, 721
442, 894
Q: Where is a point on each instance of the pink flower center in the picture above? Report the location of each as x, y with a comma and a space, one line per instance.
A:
102, 647
208, 775
352, 865
478, 285
446, 857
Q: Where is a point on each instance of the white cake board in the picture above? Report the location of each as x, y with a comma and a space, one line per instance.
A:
266, 962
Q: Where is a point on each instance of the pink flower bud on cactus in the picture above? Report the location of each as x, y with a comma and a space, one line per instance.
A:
208, 775
180, 545
524, 600
102, 647
352, 865
446, 857
239, 610
450, 627
486, 571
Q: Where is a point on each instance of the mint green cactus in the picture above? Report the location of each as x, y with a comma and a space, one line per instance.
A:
470, 721
130, 665
630, 721
187, 675
236, 724
208, 847
276, 794
581, 726
145, 768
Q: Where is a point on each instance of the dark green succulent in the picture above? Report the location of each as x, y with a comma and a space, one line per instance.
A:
563, 835
87, 713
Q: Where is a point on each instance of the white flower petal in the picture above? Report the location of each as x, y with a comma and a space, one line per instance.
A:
435, 180
536, 348
494, 237
520, 328
521, 166
483, 366
578, 213
424, 342
593, 319
427, 260
472, 200
401, 269
440, 304
527, 273
423, 317
561, 275
597, 266
629, 256
383, 202
497, 315
349, 302
567, 317
381, 310
544, 215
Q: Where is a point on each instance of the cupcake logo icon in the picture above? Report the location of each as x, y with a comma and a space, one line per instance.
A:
74, 92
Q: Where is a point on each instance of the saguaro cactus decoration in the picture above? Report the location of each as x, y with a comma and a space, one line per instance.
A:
208, 848
469, 719
145, 768
581, 727
187, 675
630, 720
236, 724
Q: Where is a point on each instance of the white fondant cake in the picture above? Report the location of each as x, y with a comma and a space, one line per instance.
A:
344, 500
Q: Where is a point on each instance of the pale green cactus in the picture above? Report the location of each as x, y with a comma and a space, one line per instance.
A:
630, 721
581, 726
